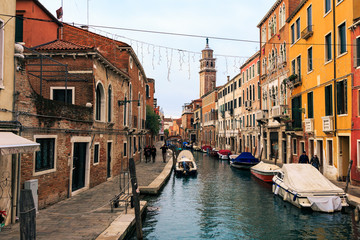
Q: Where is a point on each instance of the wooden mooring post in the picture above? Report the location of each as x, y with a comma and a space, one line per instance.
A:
348, 176
135, 191
27, 215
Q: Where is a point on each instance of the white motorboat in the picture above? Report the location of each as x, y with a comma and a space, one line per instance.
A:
305, 187
264, 171
185, 164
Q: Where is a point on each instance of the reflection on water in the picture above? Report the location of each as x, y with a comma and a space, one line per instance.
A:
226, 203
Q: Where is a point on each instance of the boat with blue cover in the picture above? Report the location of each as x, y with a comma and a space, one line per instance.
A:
244, 161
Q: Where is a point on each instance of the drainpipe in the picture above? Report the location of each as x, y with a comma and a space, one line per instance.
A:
334, 50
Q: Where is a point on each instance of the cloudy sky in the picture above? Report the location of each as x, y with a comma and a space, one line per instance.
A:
173, 60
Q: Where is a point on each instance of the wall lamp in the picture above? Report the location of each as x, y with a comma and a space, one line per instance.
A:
123, 102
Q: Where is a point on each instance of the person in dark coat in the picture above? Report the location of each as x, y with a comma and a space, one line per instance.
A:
304, 158
315, 162
163, 150
153, 153
147, 153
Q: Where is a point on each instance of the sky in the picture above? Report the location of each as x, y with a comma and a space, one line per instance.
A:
173, 60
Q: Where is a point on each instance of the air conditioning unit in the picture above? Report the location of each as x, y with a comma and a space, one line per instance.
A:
33, 186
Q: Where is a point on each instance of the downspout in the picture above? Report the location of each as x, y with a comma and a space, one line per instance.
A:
335, 90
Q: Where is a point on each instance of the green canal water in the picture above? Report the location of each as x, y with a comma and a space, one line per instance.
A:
226, 203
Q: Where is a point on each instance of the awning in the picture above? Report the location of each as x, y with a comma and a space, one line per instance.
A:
11, 143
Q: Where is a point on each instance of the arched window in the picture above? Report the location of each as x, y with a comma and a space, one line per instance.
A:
109, 103
284, 14
99, 103
280, 17
253, 87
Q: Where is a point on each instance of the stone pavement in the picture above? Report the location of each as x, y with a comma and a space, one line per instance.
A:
87, 214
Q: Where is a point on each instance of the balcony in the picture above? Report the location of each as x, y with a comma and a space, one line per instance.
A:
328, 124
293, 81
307, 32
280, 113
309, 125
262, 116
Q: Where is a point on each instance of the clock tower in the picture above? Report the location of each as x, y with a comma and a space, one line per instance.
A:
207, 70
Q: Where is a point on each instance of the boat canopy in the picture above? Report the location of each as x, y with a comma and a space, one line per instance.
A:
246, 157
265, 167
185, 154
224, 152
306, 179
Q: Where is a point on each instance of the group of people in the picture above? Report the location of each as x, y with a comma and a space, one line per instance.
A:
150, 153
314, 160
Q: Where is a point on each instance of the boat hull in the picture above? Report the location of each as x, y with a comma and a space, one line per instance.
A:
242, 165
264, 176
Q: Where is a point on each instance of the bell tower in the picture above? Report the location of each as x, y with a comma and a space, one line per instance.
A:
207, 70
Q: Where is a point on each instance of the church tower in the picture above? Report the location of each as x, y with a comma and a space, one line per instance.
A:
207, 70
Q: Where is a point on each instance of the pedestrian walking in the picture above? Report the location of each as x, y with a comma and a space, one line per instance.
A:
315, 162
163, 150
304, 158
153, 153
147, 153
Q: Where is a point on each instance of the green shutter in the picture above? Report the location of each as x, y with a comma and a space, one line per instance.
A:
310, 105
19, 26
328, 100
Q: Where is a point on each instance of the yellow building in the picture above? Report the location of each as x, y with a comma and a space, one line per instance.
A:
320, 82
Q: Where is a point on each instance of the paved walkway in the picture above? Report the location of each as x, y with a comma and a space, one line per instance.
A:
87, 214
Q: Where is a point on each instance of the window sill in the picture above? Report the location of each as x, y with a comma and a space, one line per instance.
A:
44, 172
342, 115
341, 55
326, 63
2, 87
327, 13
338, 3
95, 164
310, 71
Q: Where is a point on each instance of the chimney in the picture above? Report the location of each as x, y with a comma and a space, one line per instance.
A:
228, 78
85, 27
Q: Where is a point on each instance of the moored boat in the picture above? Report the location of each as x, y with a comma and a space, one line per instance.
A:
305, 187
185, 164
206, 148
264, 171
224, 154
244, 161
196, 148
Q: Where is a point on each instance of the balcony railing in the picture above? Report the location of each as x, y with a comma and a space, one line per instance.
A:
307, 32
309, 125
328, 123
279, 111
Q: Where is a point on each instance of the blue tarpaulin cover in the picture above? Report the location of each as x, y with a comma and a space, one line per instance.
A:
246, 157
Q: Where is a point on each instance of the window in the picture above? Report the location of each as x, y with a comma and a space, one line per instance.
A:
235, 103
125, 149
58, 94
310, 106
298, 29
259, 91
342, 38
292, 33
357, 52
327, 6
294, 146
328, 53
45, 158
253, 90
328, 100
240, 82
310, 59
147, 89
99, 103
302, 147
109, 103
254, 119
293, 66
309, 17
96, 153
19, 28
240, 102
341, 97
298, 65
135, 149
296, 112
329, 151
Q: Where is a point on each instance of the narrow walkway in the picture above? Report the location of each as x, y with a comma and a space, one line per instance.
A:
87, 214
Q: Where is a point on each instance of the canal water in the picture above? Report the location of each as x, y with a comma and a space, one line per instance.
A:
226, 203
